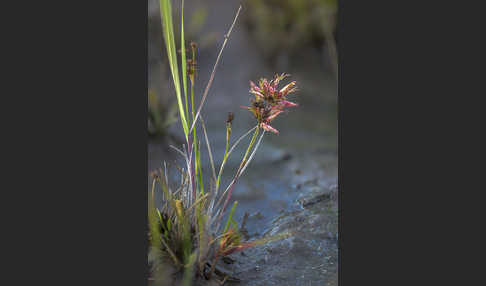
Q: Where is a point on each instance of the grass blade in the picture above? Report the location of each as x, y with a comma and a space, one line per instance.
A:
230, 216
184, 60
168, 31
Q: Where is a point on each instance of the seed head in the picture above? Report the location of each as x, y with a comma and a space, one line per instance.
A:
230, 118
269, 102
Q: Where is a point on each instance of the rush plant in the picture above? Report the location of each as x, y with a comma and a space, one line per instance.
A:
187, 234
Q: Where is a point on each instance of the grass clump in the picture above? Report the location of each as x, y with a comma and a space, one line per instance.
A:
187, 234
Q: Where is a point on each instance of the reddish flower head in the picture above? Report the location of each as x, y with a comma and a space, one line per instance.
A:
269, 102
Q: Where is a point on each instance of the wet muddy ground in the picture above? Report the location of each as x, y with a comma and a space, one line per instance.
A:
292, 184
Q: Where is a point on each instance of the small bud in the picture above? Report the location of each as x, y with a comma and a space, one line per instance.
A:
230, 118
191, 69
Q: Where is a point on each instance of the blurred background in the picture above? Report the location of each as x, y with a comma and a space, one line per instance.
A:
292, 183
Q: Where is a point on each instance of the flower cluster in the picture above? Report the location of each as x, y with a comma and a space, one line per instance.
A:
269, 102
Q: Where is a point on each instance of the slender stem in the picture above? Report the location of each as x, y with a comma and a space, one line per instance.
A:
192, 106
196, 150
190, 167
231, 186
242, 164
230, 216
200, 168
228, 132
184, 60
211, 78
210, 153
211, 206
248, 150
252, 154
230, 151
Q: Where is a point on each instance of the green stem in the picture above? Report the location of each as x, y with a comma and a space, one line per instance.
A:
230, 216
228, 133
196, 163
253, 139
184, 60
200, 169
237, 175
